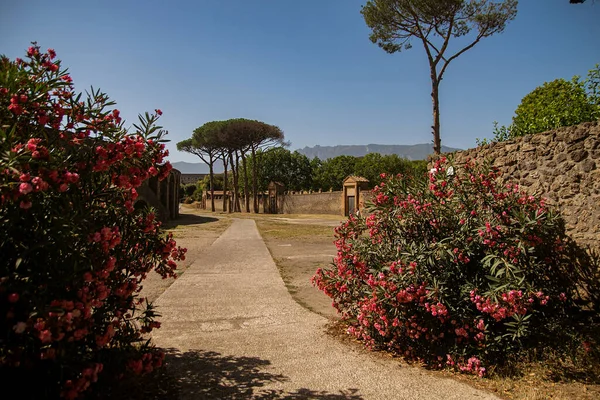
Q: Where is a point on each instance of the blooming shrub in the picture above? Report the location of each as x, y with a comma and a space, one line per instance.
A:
74, 251
461, 271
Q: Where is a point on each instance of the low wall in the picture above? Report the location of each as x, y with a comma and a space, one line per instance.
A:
297, 203
561, 165
313, 203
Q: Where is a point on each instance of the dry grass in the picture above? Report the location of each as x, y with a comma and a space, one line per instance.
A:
536, 384
271, 229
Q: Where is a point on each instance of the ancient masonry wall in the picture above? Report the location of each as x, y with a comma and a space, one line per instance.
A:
562, 165
313, 203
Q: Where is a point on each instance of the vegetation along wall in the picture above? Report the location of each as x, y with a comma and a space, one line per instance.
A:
563, 165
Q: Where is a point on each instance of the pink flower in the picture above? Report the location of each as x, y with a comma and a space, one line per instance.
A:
562, 297
71, 177
19, 327
25, 188
481, 325
13, 297
45, 336
461, 332
25, 204
587, 346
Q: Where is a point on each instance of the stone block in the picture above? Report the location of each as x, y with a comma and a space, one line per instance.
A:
577, 135
560, 157
542, 138
527, 147
578, 155
587, 165
591, 143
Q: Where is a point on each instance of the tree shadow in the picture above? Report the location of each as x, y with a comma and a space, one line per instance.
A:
198, 374
189, 219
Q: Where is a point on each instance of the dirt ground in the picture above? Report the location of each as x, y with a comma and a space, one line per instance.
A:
298, 254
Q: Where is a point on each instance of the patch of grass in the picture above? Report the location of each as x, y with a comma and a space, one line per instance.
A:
281, 230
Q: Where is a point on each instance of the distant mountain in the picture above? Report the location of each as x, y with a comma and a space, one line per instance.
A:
195, 168
411, 152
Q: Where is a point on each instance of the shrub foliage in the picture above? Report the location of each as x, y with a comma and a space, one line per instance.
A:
74, 251
461, 271
553, 105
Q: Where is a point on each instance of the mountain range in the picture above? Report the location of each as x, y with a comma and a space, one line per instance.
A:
411, 152
195, 168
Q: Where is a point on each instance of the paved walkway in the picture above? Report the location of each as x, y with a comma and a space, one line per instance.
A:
234, 332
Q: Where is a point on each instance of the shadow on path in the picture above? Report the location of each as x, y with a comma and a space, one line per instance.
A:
198, 374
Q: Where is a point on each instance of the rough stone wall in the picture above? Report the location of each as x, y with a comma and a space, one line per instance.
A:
562, 165
163, 195
313, 203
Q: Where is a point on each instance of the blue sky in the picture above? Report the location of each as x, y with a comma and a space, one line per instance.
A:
306, 66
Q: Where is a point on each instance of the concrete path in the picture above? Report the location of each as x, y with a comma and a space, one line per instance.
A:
233, 332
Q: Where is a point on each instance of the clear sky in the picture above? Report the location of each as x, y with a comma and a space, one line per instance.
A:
306, 66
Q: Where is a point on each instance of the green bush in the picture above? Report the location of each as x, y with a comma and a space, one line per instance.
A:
553, 105
188, 190
461, 272
74, 251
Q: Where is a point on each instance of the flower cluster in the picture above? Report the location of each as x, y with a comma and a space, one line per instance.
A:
461, 268
75, 252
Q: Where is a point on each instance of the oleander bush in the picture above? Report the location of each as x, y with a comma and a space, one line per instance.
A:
462, 272
74, 252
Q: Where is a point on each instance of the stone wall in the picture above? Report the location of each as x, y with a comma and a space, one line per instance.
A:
290, 203
313, 203
163, 195
562, 165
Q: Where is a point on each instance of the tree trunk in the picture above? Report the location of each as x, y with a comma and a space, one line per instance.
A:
236, 177
224, 158
234, 191
254, 180
246, 184
437, 142
211, 180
